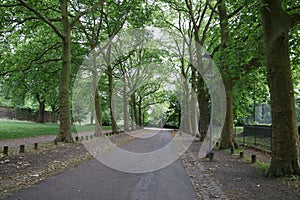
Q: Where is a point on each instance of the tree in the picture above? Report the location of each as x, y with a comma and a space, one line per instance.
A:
233, 60
92, 26
277, 24
198, 24
64, 34
31, 69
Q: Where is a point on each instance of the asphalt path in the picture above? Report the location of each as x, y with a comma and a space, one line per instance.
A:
94, 180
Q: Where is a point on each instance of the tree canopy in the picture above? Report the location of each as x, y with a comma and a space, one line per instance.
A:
45, 45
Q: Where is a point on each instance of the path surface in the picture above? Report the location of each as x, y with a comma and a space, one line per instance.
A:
93, 180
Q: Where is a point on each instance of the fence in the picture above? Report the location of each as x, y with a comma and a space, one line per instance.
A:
258, 136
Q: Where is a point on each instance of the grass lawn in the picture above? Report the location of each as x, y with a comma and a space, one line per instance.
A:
18, 129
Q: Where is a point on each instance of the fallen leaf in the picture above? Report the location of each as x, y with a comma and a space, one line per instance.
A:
211, 169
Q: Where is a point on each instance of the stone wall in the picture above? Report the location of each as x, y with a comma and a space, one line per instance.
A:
23, 114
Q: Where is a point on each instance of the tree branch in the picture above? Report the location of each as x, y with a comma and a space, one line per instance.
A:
201, 18
213, 9
58, 19
32, 61
49, 61
15, 23
191, 12
91, 9
206, 27
13, 71
215, 50
254, 62
47, 50
235, 12
8, 5
42, 17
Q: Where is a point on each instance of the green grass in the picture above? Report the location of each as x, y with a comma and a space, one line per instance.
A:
18, 129
239, 129
262, 166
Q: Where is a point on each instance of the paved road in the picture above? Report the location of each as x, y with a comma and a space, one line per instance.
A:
94, 180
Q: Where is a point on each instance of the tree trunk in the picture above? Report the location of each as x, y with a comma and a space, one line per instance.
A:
125, 102
134, 111
111, 104
41, 113
187, 125
227, 139
203, 107
194, 108
202, 93
140, 117
285, 149
53, 114
132, 125
92, 117
64, 134
98, 112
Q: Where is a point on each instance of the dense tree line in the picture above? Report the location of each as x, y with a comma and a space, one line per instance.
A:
255, 46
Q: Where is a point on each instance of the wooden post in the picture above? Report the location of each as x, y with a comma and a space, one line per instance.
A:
87, 137
22, 148
91, 137
253, 158
77, 138
211, 156
217, 144
35, 146
5, 150
231, 150
81, 138
241, 154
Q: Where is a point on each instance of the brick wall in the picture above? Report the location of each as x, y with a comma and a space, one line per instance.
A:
23, 114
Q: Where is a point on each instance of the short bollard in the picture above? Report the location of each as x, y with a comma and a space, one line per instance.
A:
55, 142
87, 137
106, 134
35, 146
81, 138
241, 154
217, 144
211, 156
77, 138
5, 150
253, 158
91, 137
22, 148
231, 150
